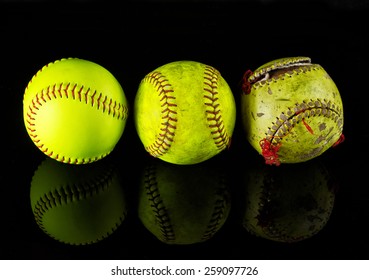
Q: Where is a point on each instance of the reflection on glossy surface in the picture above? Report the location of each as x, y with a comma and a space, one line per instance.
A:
289, 203
77, 204
183, 204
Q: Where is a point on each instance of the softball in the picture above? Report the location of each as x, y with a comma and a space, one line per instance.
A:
77, 204
184, 112
288, 204
183, 204
291, 110
74, 111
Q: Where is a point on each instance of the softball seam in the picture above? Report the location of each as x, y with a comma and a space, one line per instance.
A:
214, 116
71, 193
73, 92
168, 114
311, 108
255, 82
284, 63
271, 144
157, 205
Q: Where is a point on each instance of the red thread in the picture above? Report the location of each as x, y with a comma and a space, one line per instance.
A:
269, 152
165, 138
246, 85
220, 136
307, 126
339, 141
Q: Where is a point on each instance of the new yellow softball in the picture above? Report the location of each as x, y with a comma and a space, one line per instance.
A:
74, 111
184, 112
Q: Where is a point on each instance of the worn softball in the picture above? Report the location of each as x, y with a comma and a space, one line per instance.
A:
291, 110
77, 204
74, 111
183, 204
288, 204
184, 112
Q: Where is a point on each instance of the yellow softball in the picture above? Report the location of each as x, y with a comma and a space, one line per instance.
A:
292, 110
74, 111
184, 112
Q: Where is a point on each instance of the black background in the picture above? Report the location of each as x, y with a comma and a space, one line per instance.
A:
133, 38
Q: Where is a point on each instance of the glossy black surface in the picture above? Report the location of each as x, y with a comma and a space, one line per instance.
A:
131, 40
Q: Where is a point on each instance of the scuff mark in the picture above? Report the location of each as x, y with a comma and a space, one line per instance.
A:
322, 126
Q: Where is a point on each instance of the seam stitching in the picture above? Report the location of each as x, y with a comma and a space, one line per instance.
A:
213, 111
168, 114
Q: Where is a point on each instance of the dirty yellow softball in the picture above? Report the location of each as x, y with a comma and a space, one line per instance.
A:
184, 112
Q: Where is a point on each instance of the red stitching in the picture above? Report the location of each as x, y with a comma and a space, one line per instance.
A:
246, 84
59, 90
221, 139
168, 126
80, 94
270, 152
86, 96
93, 98
66, 90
